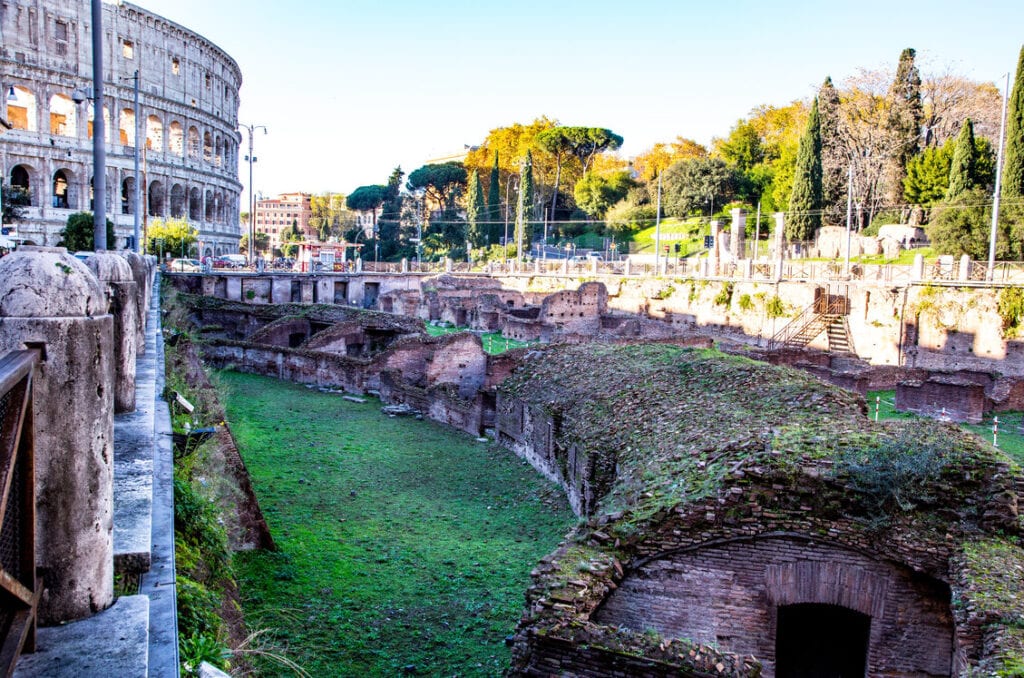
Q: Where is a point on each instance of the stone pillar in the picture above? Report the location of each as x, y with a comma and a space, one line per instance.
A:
626, 270
713, 256
447, 265
917, 268
738, 234
49, 299
114, 272
779, 238
233, 287
142, 274
359, 265
405, 265
965, 268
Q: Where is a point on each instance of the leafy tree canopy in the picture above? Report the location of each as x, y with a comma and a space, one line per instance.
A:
595, 193
442, 183
15, 200
78, 234
689, 186
177, 236
366, 198
660, 157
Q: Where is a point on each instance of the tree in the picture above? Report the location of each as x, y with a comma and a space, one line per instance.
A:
493, 202
834, 162
962, 173
442, 183
329, 216
742, 148
290, 241
524, 208
804, 217
595, 194
556, 141
176, 234
586, 142
476, 211
927, 177
262, 243
367, 199
660, 157
949, 99
689, 185
1013, 172
15, 200
392, 245
904, 124
78, 233
963, 225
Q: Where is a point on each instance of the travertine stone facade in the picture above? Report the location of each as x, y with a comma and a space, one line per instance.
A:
187, 123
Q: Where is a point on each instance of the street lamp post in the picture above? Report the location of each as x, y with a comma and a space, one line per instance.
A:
995, 198
252, 208
99, 149
137, 198
508, 191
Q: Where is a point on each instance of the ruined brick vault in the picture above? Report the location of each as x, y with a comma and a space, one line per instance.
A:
749, 520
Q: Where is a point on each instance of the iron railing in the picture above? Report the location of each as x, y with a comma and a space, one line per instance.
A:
823, 309
19, 587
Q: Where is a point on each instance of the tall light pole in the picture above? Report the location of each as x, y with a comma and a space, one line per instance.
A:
137, 198
252, 207
849, 215
999, 177
657, 231
508, 204
99, 148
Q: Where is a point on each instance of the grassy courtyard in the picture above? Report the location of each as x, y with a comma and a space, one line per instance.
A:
405, 547
493, 342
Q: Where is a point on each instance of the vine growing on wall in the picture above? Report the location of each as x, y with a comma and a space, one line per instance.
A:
1011, 309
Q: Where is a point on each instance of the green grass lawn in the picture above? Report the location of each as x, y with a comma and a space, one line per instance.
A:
405, 547
493, 342
1010, 439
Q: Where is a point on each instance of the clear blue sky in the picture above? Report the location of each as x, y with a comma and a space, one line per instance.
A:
349, 89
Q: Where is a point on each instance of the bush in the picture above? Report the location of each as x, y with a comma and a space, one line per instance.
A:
199, 648
724, 297
1011, 310
78, 233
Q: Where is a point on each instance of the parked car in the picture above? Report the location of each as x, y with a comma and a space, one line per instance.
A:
233, 261
186, 266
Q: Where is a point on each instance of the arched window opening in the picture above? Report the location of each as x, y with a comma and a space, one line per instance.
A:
23, 112
177, 201
218, 203
126, 127
156, 199
193, 143
176, 139
154, 134
21, 182
207, 147
106, 122
60, 189
218, 157
209, 206
195, 205
62, 116
128, 196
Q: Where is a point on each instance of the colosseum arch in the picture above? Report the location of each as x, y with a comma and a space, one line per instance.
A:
126, 127
154, 134
156, 199
23, 112
195, 205
63, 116
177, 201
63, 190
209, 207
218, 207
218, 151
21, 177
207, 147
106, 122
193, 143
106, 195
128, 195
176, 139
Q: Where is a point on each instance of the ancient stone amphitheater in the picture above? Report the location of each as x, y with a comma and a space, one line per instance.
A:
186, 127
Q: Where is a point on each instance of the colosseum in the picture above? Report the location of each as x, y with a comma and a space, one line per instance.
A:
188, 118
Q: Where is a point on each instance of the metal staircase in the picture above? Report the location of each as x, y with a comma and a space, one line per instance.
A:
827, 314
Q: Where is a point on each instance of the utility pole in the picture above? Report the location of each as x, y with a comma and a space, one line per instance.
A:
138, 195
252, 207
999, 178
849, 216
99, 148
657, 231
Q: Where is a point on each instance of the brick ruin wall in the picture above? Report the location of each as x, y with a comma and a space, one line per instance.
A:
728, 595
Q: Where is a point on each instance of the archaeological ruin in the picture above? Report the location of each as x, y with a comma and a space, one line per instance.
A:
738, 518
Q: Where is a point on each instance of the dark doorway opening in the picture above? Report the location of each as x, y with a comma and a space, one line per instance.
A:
340, 292
296, 292
370, 294
296, 339
821, 641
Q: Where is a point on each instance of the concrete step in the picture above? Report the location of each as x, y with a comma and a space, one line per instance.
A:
114, 642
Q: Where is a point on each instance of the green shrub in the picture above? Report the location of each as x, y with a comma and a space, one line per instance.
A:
198, 648
745, 302
724, 297
197, 609
774, 307
1011, 310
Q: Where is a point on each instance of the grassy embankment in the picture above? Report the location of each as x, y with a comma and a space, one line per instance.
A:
1011, 440
405, 547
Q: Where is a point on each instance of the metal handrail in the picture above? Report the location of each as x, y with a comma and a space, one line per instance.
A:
18, 579
834, 305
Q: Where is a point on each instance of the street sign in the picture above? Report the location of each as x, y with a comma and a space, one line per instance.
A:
709, 242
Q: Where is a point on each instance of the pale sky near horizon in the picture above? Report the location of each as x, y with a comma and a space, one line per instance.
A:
349, 89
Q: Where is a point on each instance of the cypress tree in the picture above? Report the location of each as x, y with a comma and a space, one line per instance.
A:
805, 200
905, 120
476, 211
494, 203
834, 162
524, 207
962, 173
1013, 172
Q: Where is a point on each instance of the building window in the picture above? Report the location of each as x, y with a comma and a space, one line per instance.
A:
209, 80
175, 66
128, 49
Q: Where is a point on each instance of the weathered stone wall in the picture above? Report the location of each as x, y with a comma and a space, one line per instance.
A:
728, 595
954, 398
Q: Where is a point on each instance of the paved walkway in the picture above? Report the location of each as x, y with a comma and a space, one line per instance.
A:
137, 636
